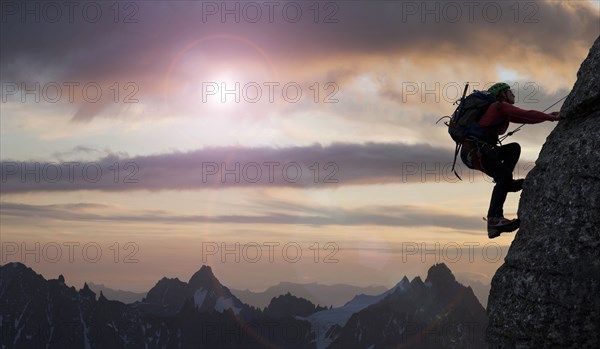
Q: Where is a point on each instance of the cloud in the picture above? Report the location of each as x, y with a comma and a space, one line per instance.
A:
314, 166
170, 44
339, 28
390, 216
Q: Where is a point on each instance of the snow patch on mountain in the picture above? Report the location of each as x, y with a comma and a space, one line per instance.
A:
226, 303
321, 322
199, 297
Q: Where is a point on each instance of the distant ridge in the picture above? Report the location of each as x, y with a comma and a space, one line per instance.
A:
117, 295
326, 295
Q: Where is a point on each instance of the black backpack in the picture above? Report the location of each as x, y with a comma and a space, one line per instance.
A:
464, 122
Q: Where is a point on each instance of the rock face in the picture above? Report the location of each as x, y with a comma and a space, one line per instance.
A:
546, 294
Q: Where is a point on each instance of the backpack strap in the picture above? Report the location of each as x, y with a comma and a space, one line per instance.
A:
456, 151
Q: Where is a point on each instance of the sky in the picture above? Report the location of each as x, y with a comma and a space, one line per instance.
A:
274, 141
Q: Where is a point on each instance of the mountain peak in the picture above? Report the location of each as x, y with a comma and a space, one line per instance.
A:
17, 265
440, 274
417, 281
18, 268
401, 285
204, 278
289, 304
86, 292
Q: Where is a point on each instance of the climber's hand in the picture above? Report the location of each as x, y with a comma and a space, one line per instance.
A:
556, 114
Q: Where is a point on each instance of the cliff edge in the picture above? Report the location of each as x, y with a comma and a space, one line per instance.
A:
547, 292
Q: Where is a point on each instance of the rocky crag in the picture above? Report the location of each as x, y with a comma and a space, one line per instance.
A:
546, 294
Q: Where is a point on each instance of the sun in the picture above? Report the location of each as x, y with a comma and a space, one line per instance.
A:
225, 88
217, 74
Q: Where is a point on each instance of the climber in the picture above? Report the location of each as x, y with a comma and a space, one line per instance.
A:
499, 161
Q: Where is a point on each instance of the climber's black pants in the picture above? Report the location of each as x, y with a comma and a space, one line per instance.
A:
497, 162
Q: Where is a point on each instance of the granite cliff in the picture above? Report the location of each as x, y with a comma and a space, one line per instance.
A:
546, 294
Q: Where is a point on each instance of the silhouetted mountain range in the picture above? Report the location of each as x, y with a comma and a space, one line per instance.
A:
437, 313
326, 295
36, 312
116, 295
168, 296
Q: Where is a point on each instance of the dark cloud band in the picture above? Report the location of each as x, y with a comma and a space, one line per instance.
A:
222, 167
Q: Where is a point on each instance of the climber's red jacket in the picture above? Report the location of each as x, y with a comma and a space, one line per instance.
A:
499, 118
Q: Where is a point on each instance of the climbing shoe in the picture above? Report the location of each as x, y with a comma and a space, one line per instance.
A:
516, 185
498, 225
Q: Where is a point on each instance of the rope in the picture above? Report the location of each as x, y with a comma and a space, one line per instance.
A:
518, 128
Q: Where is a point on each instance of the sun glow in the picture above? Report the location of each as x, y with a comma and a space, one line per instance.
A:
207, 77
223, 91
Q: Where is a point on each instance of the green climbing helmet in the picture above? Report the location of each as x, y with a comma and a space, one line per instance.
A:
497, 88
